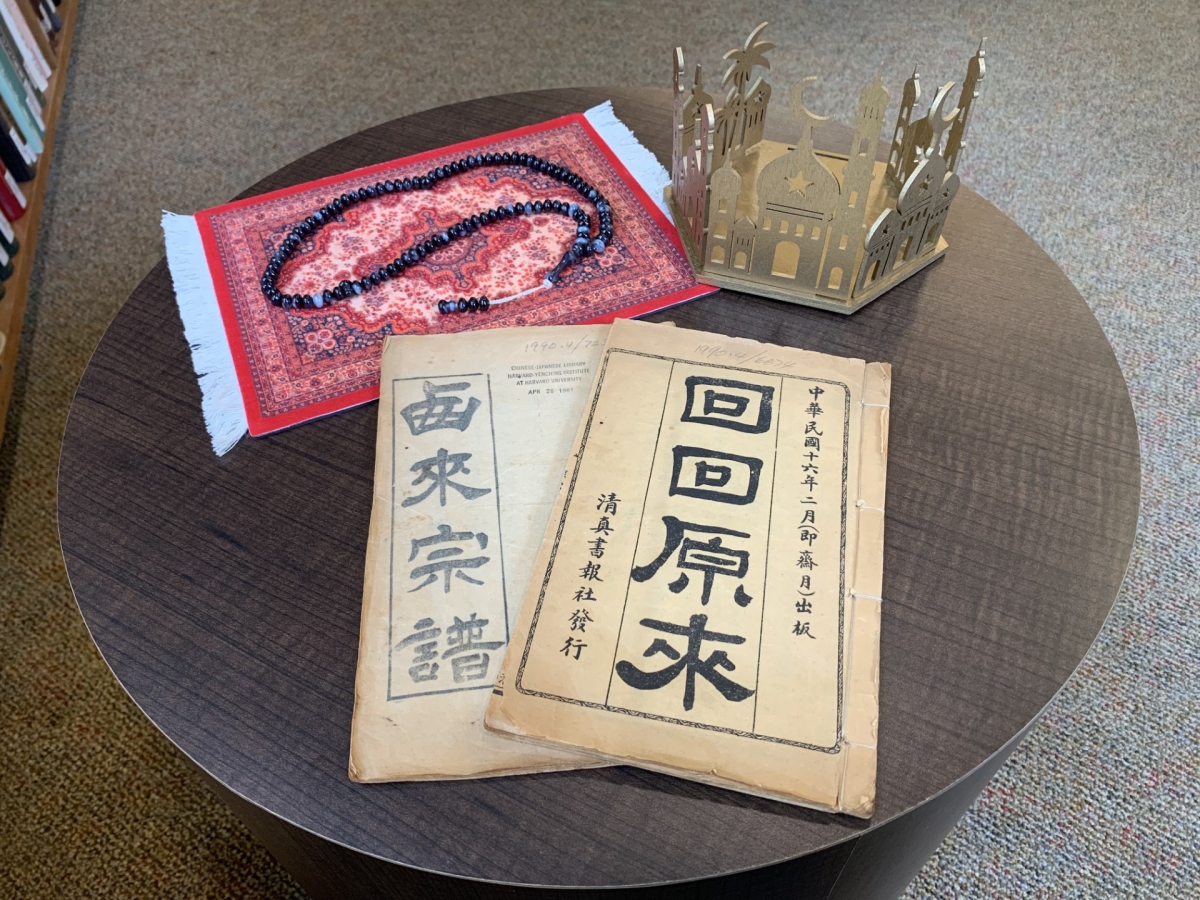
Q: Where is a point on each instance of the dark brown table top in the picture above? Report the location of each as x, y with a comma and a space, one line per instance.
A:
225, 593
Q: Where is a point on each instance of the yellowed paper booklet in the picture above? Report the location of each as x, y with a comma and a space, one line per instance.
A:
706, 599
474, 433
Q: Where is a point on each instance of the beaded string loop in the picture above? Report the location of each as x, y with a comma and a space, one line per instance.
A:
584, 244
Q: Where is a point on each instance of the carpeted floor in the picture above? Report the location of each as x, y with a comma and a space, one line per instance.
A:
1086, 136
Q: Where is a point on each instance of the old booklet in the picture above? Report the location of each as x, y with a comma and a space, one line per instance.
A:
706, 600
474, 433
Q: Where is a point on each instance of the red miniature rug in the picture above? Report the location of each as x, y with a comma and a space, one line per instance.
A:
293, 366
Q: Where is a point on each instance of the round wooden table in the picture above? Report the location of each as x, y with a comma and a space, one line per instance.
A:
1013, 482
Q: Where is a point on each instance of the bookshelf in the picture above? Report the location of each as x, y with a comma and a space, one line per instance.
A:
12, 306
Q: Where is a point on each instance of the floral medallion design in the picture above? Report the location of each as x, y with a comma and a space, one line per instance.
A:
296, 365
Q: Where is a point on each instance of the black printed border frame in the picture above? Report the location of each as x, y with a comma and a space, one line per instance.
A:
834, 748
487, 685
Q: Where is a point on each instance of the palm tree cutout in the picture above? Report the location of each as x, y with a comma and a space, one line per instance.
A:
738, 102
743, 61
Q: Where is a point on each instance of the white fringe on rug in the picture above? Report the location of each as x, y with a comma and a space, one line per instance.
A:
641, 163
220, 397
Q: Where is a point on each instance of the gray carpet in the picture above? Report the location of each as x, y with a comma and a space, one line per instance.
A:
1086, 136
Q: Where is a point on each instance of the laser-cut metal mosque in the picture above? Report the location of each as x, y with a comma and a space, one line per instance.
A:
804, 225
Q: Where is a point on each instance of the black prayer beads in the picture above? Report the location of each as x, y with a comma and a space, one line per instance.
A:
474, 304
583, 245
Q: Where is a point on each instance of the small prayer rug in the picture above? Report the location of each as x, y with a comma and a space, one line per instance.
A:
263, 368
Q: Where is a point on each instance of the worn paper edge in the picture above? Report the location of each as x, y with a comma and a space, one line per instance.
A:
357, 770
501, 724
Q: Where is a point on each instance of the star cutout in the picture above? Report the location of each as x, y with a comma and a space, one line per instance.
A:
798, 184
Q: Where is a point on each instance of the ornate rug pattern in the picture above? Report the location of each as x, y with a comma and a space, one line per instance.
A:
295, 365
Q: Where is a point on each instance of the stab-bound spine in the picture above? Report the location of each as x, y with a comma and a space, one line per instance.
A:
864, 599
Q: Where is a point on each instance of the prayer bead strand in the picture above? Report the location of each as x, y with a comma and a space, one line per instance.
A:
583, 245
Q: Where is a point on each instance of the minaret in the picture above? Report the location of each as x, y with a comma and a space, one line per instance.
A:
924, 138
692, 198
900, 138
970, 90
679, 146
688, 106
847, 229
872, 103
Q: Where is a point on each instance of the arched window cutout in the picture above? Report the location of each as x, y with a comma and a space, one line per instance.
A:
816, 233
934, 230
721, 231
853, 199
718, 255
903, 254
844, 242
863, 145
783, 226
835, 278
722, 206
786, 261
874, 272
766, 224
739, 261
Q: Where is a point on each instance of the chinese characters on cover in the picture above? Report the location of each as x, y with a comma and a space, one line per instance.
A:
706, 598
474, 433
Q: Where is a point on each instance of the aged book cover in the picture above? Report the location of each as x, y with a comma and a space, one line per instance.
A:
474, 433
706, 599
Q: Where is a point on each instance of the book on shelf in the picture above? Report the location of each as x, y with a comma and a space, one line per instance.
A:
13, 148
8, 238
51, 20
35, 62
12, 199
12, 159
29, 12
29, 35
35, 97
12, 94
47, 19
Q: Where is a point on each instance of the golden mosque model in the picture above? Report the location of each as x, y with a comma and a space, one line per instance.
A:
802, 225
